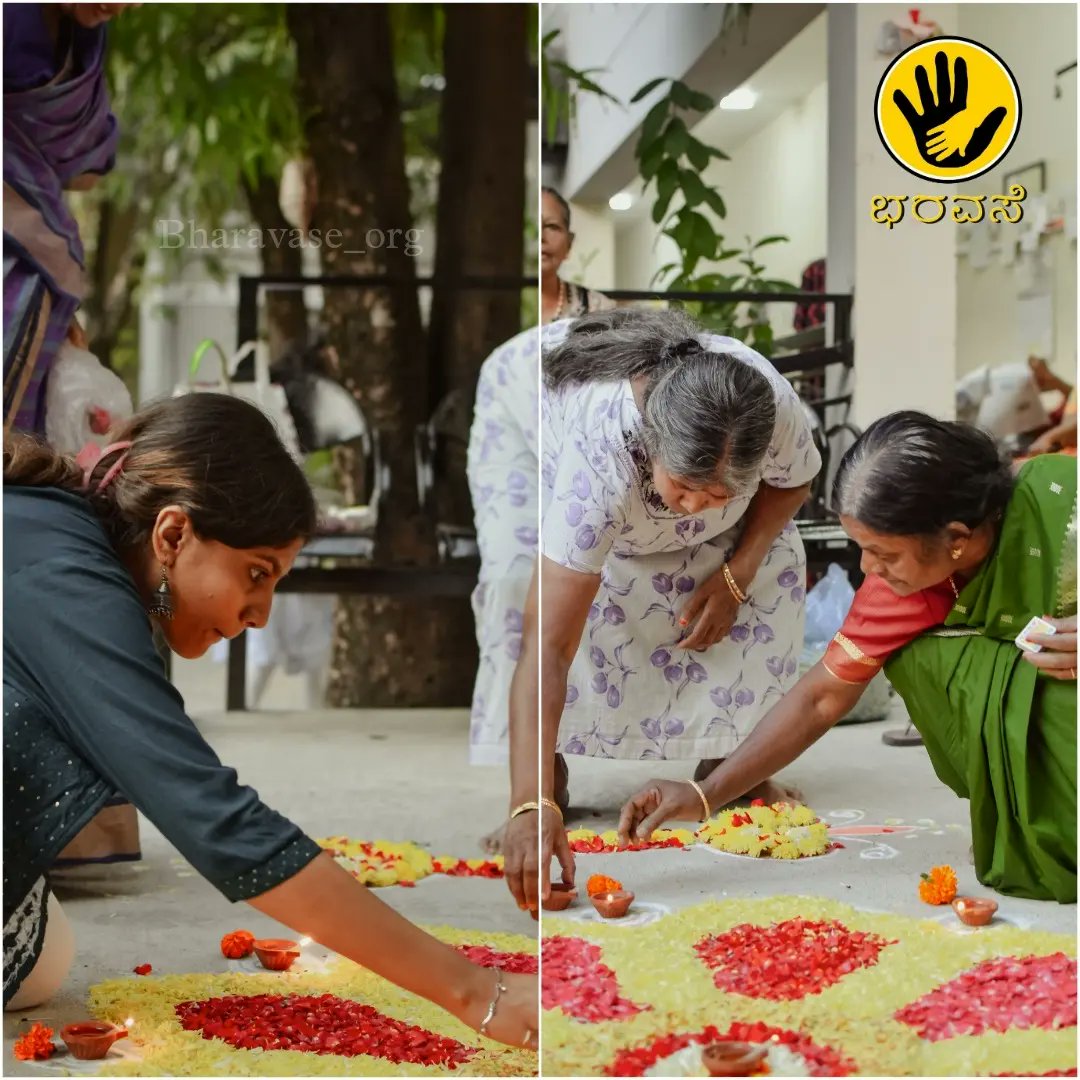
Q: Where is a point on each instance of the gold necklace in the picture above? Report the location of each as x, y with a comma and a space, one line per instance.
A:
562, 301
952, 585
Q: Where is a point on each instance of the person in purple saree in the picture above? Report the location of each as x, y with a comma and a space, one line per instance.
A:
59, 135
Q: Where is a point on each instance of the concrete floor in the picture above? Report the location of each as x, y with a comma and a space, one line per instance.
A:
403, 775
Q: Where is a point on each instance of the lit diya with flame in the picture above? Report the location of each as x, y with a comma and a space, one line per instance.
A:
609, 897
974, 910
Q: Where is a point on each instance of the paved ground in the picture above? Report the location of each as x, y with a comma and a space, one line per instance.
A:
403, 775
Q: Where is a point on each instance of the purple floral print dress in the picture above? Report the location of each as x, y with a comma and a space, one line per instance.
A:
502, 468
632, 693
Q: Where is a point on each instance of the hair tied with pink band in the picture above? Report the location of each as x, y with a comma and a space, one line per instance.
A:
89, 456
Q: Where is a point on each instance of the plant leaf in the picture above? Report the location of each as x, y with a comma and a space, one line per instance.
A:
646, 90
676, 138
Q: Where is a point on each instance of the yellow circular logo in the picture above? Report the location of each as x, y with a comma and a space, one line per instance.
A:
947, 109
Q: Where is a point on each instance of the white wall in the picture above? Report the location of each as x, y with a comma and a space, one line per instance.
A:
1034, 40
592, 258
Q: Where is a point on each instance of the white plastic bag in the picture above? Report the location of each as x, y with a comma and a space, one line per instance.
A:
83, 400
266, 395
827, 605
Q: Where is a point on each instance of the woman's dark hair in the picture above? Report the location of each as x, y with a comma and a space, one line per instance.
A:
709, 416
563, 204
911, 475
215, 456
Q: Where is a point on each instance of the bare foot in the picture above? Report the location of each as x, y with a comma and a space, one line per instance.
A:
771, 791
493, 842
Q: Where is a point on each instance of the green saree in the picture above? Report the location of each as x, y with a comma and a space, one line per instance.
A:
999, 732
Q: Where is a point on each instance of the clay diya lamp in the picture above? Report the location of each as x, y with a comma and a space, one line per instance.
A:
277, 954
613, 905
733, 1058
89, 1040
974, 910
562, 896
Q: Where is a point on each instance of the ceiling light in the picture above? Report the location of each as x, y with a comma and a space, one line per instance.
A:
622, 201
743, 98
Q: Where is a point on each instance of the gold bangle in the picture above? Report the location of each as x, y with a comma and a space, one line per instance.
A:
551, 804
733, 585
701, 795
524, 808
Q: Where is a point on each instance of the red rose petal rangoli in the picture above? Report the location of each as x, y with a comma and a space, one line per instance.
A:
596, 846
821, 1060
523, 963
575, 980
322, 1024
788, 960
999, 995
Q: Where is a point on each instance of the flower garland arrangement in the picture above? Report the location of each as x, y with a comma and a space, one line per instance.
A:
380, 863
345, 1021
840, 991
780, 831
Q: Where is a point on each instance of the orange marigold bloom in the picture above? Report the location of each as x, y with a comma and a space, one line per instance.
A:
238, 944
36, 1044
600, 883
939, 886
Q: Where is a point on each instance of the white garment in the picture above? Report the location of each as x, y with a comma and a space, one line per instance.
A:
632, 693
502, 466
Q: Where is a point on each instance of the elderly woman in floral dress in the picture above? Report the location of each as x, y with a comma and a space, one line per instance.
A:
673, 579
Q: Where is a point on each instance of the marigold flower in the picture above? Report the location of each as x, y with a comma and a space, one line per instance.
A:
36, 1044
238, 944
600, 883
939, 886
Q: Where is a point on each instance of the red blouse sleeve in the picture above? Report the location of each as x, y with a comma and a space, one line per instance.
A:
878, 624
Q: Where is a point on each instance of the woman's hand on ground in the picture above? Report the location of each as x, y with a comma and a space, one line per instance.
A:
517, 1014
1058, 656
657, 802
1056, 438
553, 842
521, 860
715, 610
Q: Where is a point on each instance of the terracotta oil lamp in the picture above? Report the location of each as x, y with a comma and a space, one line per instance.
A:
562, 896
277, 954
613, 905
974, 910
733, 1058
89, 1040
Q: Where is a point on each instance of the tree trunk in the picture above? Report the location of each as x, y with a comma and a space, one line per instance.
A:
483, 126
286, 315
388, 651
482, 153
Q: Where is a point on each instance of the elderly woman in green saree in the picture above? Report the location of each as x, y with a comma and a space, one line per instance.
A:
959, 555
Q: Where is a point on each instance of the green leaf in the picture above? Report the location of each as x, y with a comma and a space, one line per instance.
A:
693, 189
646, 90
715, 202
667, 181
652, 125
704, 237
651, 159
769, 240
701, 102
716, 152
676, 138
681, 94
698, 153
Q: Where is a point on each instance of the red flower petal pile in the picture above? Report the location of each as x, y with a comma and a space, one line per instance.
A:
821, 1060
523, 963
461, 868
35, 1044
999, 995
788, 960
322, 1024
575, 980
596, 845
143, 969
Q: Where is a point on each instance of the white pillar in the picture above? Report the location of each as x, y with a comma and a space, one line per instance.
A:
904, 278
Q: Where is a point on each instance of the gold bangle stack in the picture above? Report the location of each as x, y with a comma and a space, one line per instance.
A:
733, 585
551, 804
701, 795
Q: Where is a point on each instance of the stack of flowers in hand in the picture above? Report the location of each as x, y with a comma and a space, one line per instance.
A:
780, 831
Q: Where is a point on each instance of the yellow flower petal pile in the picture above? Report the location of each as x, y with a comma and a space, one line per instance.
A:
780, 831
388, 862
656, 965
167, 1050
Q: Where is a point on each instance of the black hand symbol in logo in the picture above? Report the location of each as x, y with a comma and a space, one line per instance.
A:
947, 133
